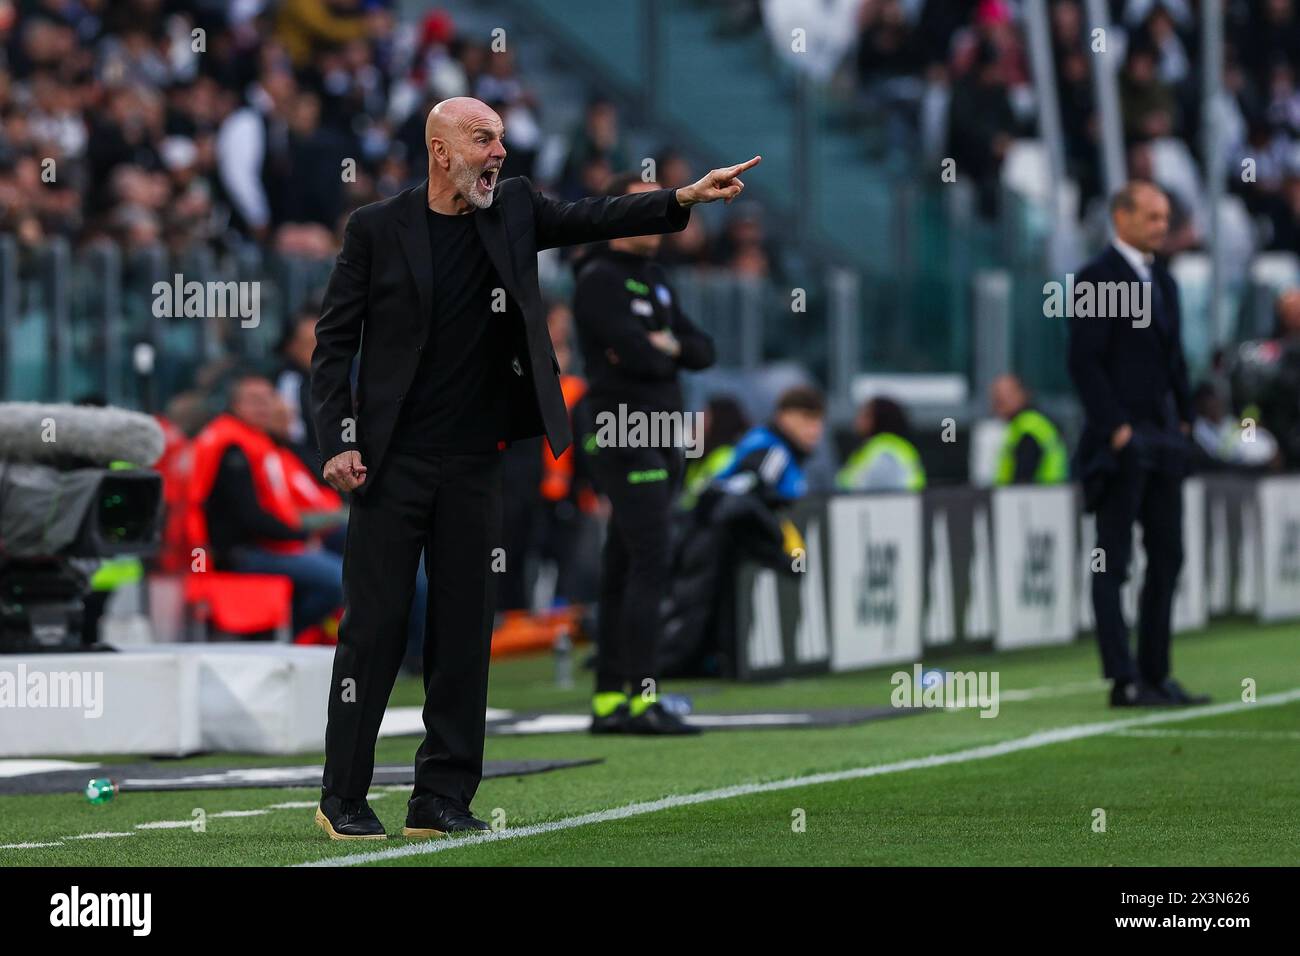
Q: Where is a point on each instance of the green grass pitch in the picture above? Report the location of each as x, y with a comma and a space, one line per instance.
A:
1215, 790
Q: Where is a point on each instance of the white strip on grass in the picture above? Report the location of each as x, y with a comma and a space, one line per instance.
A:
1041, 739
186, 824
165, 825
106, 835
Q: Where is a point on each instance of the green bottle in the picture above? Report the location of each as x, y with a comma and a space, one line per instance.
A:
100, 790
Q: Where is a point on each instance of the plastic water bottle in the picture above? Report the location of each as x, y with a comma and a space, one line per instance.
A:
680, 705
100, 790
563, 650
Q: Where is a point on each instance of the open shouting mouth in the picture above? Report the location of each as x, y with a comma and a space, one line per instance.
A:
488, 179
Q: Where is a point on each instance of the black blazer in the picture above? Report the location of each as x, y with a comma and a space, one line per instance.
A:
1126, 375
382, 285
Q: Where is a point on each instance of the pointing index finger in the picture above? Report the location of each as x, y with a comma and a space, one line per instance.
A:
736, 170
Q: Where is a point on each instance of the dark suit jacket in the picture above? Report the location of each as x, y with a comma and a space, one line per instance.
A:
1127, 375
382, 285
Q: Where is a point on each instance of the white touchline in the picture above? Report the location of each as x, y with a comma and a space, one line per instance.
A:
1041, 739
107, 835
187, 824
165, 825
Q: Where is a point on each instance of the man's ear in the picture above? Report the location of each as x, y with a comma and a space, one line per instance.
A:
438, 150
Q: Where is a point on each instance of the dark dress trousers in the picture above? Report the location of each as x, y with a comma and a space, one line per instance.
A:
1136, 376
446, 502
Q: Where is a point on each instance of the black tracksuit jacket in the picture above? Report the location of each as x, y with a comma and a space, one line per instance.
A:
619, 298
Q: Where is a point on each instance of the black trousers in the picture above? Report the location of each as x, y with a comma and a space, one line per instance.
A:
1153, 498
449, 506
636, 566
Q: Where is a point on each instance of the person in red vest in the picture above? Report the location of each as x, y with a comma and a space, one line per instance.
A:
322, 506
247, 503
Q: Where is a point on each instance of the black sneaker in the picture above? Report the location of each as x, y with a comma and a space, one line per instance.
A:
612, 723
1136, 693
1175, 694
657, 720
348, 820
438, 816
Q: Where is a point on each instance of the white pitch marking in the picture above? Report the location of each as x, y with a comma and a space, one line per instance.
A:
182, 824
576, 723
1041, 739
550, 724
408, 721
749, 720
165, 825
106, 835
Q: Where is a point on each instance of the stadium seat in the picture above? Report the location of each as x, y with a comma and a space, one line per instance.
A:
242, 605
1277, 270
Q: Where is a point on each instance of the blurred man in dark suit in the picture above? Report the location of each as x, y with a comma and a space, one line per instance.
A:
1126, 359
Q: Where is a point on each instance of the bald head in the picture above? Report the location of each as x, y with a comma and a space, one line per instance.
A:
464, 137
459, 114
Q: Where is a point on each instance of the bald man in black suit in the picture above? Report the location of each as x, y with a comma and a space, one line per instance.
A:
457, 362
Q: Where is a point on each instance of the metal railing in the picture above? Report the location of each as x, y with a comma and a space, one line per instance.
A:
97, 321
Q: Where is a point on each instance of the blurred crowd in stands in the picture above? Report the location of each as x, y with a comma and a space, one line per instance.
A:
204, 121
954, 77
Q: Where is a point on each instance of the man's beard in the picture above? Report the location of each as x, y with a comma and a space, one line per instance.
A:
466, 180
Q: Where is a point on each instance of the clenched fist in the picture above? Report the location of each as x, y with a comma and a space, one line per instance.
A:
1121, 437
345, 472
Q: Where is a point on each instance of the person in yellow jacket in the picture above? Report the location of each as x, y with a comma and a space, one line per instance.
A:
886, 460
1032, 451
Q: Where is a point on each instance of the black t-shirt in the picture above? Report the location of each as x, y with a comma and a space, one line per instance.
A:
458, 401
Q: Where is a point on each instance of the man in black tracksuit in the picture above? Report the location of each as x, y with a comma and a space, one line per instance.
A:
634, 338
